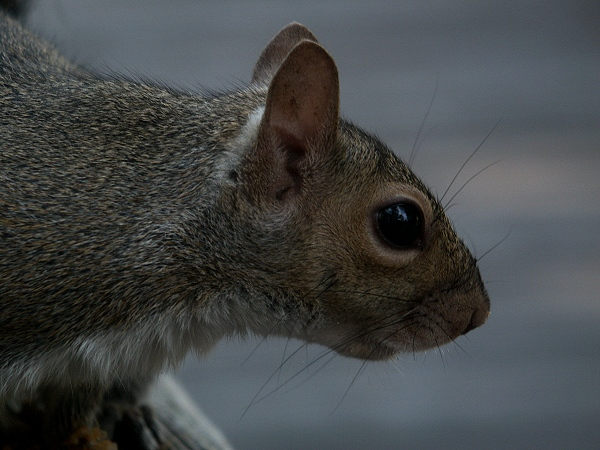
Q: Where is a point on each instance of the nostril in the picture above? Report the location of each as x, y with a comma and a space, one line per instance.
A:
478, 318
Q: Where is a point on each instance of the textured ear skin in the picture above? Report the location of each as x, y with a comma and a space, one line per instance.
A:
304, 95
300, 118
277, 49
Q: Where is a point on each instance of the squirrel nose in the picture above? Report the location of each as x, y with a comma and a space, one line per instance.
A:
478, 318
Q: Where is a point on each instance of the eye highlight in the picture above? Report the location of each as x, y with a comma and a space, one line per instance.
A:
400, 225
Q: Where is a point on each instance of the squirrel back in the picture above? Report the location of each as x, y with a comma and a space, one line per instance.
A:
138, 222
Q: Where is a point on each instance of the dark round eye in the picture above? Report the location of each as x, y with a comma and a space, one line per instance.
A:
401, 224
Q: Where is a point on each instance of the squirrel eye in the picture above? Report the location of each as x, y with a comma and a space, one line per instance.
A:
401, 225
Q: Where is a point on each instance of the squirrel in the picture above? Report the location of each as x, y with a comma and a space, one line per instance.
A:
139, 222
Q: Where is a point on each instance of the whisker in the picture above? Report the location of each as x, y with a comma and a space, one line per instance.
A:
328, 351
471, 178
453, 340
330, 280
406, 316
389, 297
493, 247
287, 342
356, 375
451, 205
253, 401
437, 344
327, 279
469, 158
314, 361
314, 373
413, 151
253, 351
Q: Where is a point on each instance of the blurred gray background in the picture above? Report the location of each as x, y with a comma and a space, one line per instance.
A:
530, 378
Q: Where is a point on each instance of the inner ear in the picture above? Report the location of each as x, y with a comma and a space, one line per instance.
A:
299, 124
277, 49
290, 179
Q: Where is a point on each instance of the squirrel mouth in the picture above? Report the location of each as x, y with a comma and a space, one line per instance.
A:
363, 346
367, 350
430, 326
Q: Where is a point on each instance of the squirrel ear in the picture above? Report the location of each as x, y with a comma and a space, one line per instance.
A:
277, 49
300, 121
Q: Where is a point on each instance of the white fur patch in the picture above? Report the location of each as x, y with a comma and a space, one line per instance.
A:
231, 158
138, 354
109, 358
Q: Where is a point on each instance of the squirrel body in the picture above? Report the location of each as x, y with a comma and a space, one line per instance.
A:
138, 222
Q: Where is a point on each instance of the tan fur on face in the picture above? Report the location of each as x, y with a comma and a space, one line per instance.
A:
384, 300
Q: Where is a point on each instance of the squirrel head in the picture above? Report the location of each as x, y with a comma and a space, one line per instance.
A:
343, 243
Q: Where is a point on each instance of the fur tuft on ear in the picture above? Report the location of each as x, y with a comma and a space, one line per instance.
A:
299, 124
277, 49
